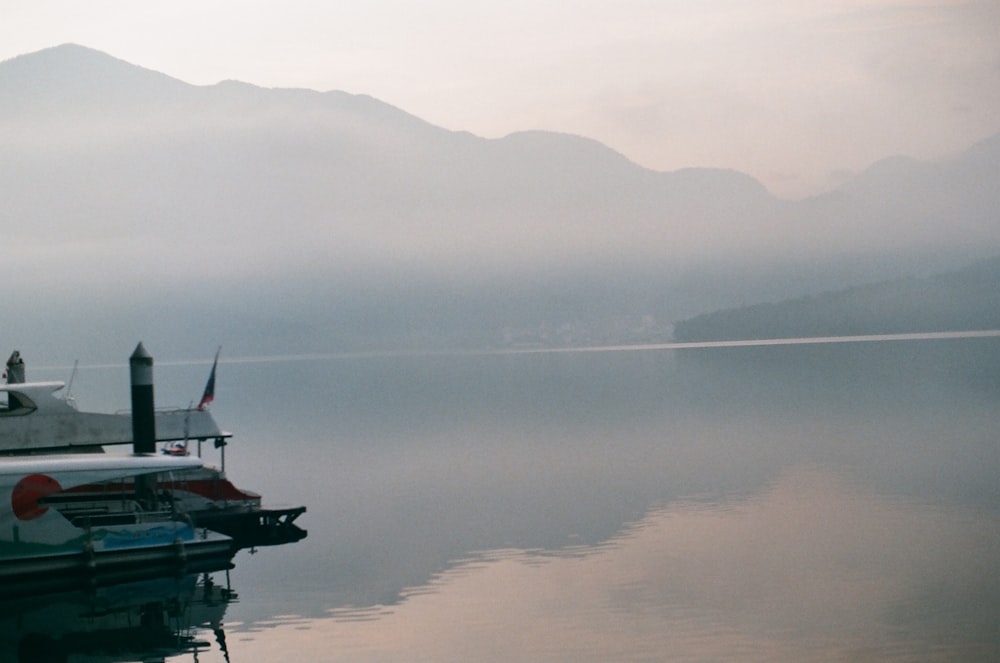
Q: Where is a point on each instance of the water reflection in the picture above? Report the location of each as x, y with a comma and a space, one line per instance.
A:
149, 620
845, 508
813, 567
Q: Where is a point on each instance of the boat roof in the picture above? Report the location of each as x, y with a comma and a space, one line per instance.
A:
51, 386
79, 469
35, 418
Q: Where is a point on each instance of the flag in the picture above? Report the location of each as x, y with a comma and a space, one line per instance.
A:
209, 394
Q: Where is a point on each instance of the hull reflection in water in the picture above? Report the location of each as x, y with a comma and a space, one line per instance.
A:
814, 567
149, 620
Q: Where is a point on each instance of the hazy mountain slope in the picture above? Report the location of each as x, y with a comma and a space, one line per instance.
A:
336, 219
967, 299
295, 179
61, 84
100, 150
911, 192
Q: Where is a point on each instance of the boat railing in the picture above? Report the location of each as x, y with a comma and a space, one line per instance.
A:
138, 516
114, 508
165, 409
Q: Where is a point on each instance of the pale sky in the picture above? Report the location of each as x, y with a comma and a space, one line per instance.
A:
797, 94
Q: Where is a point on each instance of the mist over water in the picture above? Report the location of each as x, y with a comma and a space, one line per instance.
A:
834, 502
467, 501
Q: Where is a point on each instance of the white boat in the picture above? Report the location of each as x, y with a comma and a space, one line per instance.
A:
35, 420
43, 539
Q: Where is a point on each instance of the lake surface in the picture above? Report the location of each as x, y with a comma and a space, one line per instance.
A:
795, 503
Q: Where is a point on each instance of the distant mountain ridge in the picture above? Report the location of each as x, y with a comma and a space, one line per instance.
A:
348, 162
962, 300
70, 79
115, 176
380, 180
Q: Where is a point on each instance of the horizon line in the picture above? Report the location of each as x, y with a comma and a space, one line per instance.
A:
632, 347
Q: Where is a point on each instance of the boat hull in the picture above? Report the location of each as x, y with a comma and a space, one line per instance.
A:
35, 571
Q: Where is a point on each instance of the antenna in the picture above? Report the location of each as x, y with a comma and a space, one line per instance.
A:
69, 385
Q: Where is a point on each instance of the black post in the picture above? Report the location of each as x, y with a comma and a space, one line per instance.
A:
143, 417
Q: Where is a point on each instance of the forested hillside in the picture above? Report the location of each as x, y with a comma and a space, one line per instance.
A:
967, 299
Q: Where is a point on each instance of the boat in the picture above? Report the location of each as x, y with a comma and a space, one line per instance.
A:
209, 499
36, 420
47, 541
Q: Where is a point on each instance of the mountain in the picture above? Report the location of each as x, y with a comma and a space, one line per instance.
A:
911, 191
59, 83
328, 215
100, 149
961, 300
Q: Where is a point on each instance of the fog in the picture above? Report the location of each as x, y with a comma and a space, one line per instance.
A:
138, 204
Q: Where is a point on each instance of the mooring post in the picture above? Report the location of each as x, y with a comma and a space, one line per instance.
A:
143, 415
143, 420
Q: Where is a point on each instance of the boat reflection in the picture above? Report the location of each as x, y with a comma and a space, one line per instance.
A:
149, 620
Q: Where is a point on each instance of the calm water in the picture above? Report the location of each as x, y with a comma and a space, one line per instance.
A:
757, 504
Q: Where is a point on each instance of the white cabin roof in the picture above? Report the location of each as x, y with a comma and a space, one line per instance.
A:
72, 470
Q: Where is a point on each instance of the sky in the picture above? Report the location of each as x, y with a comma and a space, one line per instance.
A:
799, 95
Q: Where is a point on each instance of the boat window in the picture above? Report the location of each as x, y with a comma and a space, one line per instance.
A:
17, 405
